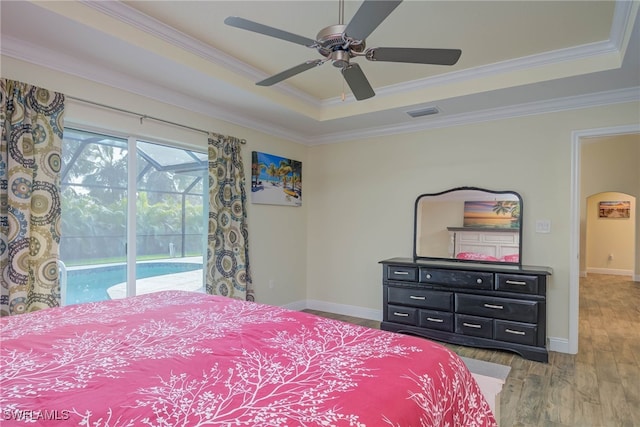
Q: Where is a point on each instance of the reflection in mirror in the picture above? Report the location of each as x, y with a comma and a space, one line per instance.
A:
469, 224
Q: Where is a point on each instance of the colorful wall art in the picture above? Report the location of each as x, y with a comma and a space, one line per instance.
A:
275, 180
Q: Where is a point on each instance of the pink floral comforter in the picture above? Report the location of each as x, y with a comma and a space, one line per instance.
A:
188, 359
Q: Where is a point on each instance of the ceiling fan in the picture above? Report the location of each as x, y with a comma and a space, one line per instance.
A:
339, 43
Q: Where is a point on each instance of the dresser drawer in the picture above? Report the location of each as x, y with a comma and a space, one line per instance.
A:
517, 283
521, 333
439, 320
499, 308
475, 326
406, 274
467, 279
479, 305
436, 300
406, 315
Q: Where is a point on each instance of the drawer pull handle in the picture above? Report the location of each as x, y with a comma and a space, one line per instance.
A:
401, 273
516, 282
472, 325
417, 297
395, 313
511, 331
497, 307
428, 276
431, 319
478, 281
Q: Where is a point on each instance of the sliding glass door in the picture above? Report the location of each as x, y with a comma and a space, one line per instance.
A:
112, 247
170, 218
94, 196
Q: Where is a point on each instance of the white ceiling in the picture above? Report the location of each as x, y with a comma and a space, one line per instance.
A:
518, 57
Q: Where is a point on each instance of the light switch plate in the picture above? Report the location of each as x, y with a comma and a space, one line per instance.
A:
543, 226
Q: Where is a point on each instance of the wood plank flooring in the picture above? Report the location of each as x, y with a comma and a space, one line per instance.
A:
599, 386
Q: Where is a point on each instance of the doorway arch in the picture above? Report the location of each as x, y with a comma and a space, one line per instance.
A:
578, 138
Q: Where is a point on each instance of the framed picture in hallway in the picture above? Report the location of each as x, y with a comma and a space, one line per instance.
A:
615, 209
275, 180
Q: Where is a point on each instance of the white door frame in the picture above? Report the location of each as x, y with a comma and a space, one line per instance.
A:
574, 233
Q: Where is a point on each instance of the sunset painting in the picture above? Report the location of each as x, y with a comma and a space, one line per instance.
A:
618, 209
496, 214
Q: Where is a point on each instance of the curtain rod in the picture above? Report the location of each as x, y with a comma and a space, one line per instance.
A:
143, 116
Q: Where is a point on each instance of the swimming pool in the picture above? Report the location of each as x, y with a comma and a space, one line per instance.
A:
89, 284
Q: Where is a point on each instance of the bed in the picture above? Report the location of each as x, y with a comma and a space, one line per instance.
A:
178, 358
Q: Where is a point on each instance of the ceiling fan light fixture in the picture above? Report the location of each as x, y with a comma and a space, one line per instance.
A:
340, 58
428, 111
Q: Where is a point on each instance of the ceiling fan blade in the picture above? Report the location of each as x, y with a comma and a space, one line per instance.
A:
245, 24
290, 72
358, 82
414, 55
368, 17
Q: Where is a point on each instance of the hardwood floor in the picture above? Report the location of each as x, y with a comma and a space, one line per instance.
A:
599, 386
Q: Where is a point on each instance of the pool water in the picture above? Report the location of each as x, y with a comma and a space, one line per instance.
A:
90, 284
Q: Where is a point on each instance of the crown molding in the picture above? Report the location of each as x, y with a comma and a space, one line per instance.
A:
37, 55
499, 68
124, 13
46, 58
622, 18
526, 109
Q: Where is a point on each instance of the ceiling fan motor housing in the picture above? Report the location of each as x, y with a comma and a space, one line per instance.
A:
334, 44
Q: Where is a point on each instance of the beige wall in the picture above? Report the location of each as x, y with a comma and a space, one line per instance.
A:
277, 234
362, 193
610, 243
609, 163
359, 195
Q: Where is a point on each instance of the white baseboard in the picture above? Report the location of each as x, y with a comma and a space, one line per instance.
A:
560, 345
332, 307
344, 309
612, 271
296, 305
635, 278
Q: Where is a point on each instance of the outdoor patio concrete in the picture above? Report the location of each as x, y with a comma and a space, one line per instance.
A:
187, 281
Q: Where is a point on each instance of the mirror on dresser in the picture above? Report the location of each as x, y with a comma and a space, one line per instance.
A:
469, 224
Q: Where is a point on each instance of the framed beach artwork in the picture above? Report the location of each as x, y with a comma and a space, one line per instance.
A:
615, 209
275, 180
494, 214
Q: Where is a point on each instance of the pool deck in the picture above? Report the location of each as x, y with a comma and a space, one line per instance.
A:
186, 281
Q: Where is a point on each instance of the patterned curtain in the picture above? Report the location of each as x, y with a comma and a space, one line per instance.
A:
228, 239
32, 122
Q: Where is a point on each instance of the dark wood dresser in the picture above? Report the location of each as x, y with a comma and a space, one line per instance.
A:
470, 304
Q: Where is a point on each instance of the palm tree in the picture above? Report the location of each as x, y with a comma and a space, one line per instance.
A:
272, 171
297, 173
510, 207
107, 179
515, 214
256, 169
283, 171
501, 207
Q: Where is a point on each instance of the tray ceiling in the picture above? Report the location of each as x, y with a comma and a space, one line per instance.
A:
514, 53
